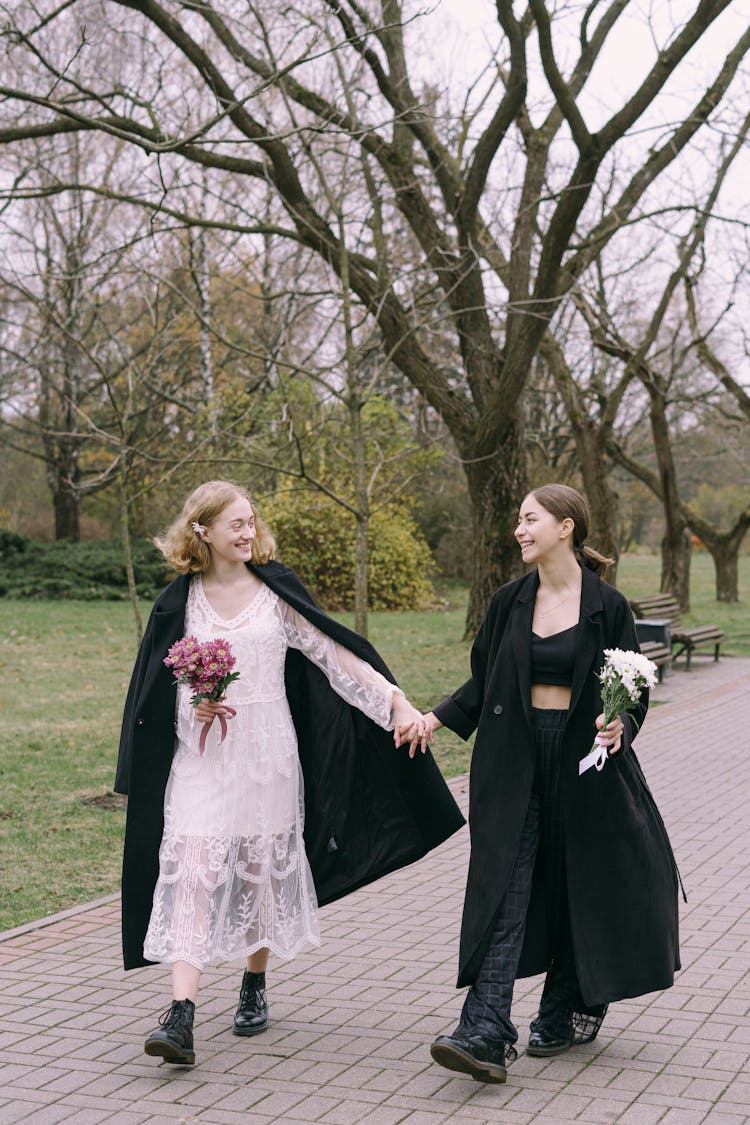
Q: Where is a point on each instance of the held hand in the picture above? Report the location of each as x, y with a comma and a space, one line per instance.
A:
408, 725
611, 735
431, 723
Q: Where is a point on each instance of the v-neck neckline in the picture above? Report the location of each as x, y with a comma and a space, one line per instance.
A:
227, 621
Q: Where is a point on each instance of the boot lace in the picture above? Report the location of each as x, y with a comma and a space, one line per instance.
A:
251, 990
559, 1025
177, 1016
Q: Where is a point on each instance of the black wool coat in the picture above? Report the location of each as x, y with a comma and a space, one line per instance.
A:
621, 874
369, 808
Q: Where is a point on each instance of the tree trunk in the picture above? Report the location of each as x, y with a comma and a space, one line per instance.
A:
676, 545
361, 548
676, 549
354, 404
603, 501
725, 562
67, 513
128, 555
497, 485
724, 549
362, 516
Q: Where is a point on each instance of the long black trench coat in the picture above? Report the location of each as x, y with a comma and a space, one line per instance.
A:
369, 808
621, 874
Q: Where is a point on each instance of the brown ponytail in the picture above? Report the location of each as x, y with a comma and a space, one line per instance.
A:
564, 502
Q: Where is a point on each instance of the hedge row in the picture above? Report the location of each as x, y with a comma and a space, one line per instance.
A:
92, 571
316, 540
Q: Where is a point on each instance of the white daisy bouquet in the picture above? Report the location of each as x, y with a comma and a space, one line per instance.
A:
623, 677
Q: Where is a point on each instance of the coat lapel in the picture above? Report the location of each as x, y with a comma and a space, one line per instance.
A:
589, 635
167, 626
520, 636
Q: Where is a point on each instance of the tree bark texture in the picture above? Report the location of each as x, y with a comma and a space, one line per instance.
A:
497, 485
603, 501
676, 546
66, 506
724, 548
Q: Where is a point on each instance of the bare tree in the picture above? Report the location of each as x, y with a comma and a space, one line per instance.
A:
493, 272
593, 392
652, 347
59, 259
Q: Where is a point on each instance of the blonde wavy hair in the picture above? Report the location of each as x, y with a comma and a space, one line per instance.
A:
184, 549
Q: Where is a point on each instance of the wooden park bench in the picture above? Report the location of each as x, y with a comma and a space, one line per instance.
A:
661, 654
666, 608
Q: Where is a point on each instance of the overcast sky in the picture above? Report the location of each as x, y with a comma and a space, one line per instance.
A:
460, 31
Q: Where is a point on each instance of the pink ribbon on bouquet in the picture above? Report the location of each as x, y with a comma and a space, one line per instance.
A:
226, 712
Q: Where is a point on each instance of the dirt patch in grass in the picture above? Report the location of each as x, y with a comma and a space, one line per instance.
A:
104, 800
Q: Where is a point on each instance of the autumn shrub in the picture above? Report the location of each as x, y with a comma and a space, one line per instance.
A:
316, 539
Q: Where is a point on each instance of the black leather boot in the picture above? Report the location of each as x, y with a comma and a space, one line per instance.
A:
173, 1038
484, 1059
551, 1035
251, 1016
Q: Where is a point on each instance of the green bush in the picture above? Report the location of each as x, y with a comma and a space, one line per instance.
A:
11, 544
316, 539
93, 570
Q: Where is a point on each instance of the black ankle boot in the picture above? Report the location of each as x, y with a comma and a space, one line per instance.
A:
251, 1016
173, 1038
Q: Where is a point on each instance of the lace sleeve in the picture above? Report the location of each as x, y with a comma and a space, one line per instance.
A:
353, 679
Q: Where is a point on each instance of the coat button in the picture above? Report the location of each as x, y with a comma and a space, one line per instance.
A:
139, 722
498, 708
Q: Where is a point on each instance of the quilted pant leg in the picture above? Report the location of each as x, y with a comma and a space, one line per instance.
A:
486, 1009
562, 993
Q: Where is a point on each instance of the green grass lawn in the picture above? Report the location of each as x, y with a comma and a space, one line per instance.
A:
639, 576
65, 669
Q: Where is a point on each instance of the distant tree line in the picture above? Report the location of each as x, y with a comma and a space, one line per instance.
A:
282, 254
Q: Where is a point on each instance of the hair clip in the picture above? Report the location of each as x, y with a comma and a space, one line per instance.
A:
198, 528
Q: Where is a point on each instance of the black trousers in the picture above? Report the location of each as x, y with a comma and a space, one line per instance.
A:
486, 1010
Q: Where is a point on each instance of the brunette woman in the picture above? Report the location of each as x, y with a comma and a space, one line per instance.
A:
569, 875
216, 867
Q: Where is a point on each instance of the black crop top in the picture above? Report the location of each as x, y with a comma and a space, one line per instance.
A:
552, 658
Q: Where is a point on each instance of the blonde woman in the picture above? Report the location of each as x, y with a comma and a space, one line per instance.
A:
216, 866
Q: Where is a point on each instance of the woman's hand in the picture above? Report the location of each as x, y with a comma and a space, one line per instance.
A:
431, 724
408, 725
207, 710
611, 735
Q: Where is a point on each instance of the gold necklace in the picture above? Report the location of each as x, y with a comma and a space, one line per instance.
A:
546, 612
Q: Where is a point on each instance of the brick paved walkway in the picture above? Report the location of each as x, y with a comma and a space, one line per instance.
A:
351, 1024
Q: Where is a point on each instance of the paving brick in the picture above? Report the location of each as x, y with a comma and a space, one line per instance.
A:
351, 1024
49, 1114
346, 1112
88, 1117
641, 1113
684, 1117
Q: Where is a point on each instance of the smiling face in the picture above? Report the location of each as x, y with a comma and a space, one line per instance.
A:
540, 534
230, 535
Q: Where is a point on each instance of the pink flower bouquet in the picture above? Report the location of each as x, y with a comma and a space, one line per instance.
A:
206, 667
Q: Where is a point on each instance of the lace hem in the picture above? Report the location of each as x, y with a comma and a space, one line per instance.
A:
310, 941
219, 899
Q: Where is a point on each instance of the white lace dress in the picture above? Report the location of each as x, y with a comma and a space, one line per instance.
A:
233, 873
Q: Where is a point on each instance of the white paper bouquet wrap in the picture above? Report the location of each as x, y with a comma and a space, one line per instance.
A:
623, 677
